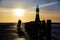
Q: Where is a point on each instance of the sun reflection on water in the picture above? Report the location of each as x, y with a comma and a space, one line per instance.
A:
20, 39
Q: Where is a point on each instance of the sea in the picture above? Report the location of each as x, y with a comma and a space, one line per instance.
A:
8, 31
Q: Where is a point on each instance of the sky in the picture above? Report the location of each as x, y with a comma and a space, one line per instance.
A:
49, 9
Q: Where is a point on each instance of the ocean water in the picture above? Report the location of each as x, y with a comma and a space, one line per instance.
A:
55, 31
8, 31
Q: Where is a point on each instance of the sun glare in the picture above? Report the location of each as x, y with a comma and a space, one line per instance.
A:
18, 12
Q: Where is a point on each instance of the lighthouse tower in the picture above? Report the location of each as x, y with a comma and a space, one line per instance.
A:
37, 19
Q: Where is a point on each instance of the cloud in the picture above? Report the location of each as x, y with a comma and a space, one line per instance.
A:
6, 10
48, 4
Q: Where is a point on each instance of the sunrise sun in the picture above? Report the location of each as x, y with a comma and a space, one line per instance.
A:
18, 11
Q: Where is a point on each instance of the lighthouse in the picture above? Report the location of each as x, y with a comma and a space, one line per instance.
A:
37, 19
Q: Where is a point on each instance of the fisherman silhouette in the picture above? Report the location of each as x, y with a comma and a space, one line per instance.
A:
20, 32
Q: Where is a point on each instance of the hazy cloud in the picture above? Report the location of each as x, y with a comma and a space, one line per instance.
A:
48, 4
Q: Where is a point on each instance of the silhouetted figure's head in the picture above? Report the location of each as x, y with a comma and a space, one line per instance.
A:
19, 22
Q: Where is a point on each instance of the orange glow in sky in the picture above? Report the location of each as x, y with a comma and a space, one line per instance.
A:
29, 15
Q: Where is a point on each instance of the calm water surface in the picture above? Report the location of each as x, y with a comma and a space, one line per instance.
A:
9, 32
